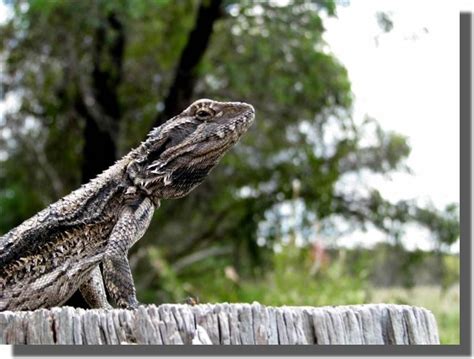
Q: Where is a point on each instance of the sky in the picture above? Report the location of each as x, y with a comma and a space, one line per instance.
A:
408, 80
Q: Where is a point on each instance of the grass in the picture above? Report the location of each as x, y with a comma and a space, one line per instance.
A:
292, 280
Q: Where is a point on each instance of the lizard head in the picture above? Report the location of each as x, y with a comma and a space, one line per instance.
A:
178, 155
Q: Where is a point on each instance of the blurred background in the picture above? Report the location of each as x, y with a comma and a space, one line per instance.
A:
344, 191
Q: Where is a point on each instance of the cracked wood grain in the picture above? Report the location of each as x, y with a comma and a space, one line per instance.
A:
222, 324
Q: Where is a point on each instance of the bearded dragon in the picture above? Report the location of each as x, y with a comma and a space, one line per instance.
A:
81, 241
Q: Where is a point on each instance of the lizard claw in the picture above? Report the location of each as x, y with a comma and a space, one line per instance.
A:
132, 305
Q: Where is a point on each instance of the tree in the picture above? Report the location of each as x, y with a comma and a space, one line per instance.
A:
92, 78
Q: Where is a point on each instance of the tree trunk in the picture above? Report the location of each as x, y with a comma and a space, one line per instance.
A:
182, 88
102, 118
222, 324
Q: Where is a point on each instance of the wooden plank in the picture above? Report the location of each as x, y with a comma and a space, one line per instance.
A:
222, 324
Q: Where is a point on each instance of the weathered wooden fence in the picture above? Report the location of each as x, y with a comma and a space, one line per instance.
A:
222, 324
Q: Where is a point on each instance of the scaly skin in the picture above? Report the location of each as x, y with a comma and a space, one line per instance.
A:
48, 257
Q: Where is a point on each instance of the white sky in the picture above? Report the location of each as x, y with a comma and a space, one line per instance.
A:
408, 80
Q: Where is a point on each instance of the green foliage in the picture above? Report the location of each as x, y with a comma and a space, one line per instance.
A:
444, 224
384, 20
290, 280
296, 277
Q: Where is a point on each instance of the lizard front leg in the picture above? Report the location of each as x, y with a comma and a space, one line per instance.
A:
132, 224
119, 282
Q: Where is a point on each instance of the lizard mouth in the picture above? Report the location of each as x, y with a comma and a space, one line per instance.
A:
239, 125
248, 112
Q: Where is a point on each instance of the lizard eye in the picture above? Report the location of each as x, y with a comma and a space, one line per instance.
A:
204, 114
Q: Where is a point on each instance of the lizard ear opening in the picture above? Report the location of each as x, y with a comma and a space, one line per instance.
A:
177, 135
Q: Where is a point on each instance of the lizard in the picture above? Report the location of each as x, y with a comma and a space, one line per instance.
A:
81, 242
